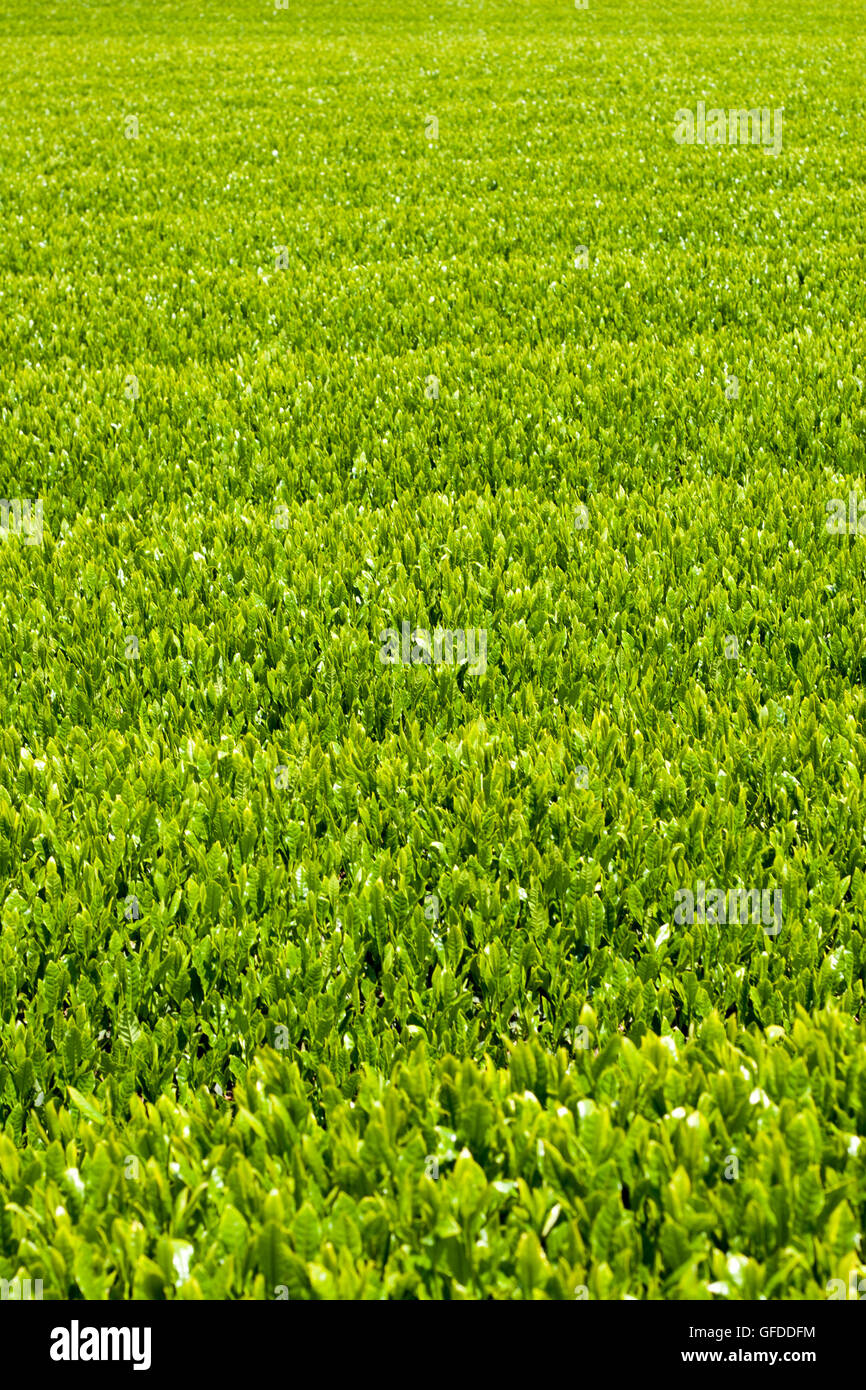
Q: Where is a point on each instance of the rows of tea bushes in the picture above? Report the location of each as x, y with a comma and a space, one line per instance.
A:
329, 976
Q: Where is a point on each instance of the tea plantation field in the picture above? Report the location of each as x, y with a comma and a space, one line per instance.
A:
433, 648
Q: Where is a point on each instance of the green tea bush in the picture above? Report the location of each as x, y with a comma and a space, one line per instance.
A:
324, 975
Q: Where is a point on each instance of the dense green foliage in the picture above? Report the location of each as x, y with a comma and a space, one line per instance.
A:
326, 978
